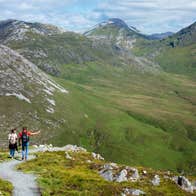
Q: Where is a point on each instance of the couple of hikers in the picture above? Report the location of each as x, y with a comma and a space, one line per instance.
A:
21, 138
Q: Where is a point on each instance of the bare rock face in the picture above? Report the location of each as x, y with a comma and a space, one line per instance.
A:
17, 73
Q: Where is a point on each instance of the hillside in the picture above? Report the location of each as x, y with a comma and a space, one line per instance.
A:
175, 54
120, 105
72, 170
27, 95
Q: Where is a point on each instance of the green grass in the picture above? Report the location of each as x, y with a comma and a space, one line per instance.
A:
59, 176
5, 188
180, 59
3, 155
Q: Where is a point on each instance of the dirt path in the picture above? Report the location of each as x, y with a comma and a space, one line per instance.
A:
24, 184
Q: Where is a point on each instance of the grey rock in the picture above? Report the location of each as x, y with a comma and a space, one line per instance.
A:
156, 180
97, 156
135, 176
122, 176
186, 184
107, 175
133, 192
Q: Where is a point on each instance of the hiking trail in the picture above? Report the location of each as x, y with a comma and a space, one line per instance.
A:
24, 184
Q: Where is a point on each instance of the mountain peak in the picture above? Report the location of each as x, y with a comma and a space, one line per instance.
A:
110, 26
117, 22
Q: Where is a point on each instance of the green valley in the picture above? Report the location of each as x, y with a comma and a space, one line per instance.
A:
130, 111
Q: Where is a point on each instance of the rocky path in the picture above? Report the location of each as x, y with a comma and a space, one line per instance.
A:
24, 184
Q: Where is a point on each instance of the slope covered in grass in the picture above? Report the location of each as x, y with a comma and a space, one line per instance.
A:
79, 176
139, 118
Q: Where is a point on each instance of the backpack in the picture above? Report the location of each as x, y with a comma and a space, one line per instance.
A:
25, 138
12, 139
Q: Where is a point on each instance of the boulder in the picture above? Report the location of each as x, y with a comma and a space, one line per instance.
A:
132, 192
135, 176
184, 183
108, 167
67, 156
156, 180
114, 165
97, 156
122, 176
107, 175
144, 172
73, 148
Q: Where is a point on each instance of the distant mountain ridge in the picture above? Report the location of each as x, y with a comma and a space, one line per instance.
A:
16, 30
160, 35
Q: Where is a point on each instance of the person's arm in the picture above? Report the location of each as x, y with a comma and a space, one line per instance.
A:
35, 133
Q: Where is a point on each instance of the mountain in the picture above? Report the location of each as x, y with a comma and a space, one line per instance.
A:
160, 35
117, 32
175, 54
52, 49
184, 37
20, 30
117, 101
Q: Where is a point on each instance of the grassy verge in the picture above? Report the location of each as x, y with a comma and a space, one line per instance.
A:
5, 188
3, 156
60, 176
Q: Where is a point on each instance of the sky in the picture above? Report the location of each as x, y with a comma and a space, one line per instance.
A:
148, 16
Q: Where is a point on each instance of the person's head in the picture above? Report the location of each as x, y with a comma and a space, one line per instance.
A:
24, 129
13, 130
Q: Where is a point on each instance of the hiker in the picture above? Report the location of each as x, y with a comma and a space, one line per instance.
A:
12, 138
24, 138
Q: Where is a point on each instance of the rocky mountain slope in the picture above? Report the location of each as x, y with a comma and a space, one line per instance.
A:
49, 48
24, 89
184, 37
19, 30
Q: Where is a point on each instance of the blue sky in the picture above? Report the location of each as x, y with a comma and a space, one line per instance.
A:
149, 16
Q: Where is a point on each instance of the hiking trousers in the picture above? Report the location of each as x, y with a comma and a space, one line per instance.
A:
25, 150
12, 152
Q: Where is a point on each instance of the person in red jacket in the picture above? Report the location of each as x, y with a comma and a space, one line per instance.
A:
24, 138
